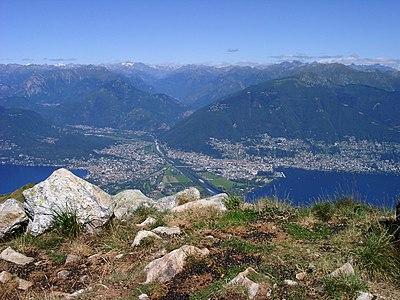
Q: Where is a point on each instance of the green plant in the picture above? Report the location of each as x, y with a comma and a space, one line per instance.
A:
245, 246
320, 231
66, 222
323, 210
378, 255
232, 202
57, 257
237, 217
343, 287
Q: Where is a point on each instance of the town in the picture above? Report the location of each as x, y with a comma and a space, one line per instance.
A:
135, 162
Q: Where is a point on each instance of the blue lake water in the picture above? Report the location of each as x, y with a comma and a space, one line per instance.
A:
13, 177
304, 187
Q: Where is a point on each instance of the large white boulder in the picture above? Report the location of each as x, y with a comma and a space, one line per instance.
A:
128, 201
216, 202
169, 202
12, 216
63, 191
165, 268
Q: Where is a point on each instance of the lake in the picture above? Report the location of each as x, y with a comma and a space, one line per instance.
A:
12, 177
304, 187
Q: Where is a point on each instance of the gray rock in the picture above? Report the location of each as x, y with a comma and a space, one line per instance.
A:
167, 230
250, 285
13, 256
63, 191
63, 274
300, 276
216, 201
345, 270
76, 294
169, 202
365, 296
128, 201
290, 282
143, 234
147, 222
24, 284
12, 217
165, 268
5, 277
71, 258
143, 297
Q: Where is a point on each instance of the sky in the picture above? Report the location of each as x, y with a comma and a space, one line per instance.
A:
199, 31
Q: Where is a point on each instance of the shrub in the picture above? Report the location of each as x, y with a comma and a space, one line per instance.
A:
232, 202
324, 211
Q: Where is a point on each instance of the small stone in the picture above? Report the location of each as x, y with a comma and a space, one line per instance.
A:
13, 256
167, 230
24, 284
5, 277
63, 274
94, 256
345, 270
76, 294
141, 235
84, 278
119, 256
365, 296
290, 282
300, 276
143, 297
147, 222
242, 279
71, 258
311, 268
165, 268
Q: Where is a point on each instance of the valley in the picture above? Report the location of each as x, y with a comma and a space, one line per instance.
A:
224, 128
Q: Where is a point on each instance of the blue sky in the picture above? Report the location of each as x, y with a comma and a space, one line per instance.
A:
203, 31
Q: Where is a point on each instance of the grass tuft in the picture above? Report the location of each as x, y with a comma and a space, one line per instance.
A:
323, 211
378, 256
66, 222
343, 287
232, 202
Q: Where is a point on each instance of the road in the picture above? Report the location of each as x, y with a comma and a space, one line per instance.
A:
211, 190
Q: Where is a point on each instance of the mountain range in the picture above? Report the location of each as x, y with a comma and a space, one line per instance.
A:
187, 105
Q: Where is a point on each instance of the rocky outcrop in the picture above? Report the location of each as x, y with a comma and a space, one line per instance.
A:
143, 234
216, 202
13, 256
241, 279
165, 268
63, 191
128, 201
169, 202
12, 217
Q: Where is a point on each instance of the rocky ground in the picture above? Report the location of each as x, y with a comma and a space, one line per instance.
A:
184, 247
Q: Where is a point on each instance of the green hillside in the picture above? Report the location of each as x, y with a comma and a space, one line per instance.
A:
293, 108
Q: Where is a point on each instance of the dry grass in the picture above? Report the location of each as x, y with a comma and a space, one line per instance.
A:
272, 237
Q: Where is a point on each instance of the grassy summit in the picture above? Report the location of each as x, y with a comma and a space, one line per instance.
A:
275, 239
